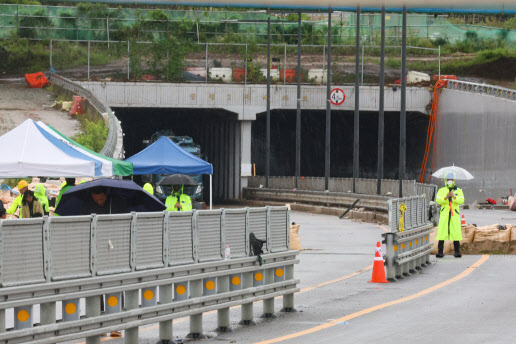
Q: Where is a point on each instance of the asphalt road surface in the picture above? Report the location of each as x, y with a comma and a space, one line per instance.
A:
467, 300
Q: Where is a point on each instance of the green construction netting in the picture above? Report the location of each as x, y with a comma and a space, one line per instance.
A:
101, 23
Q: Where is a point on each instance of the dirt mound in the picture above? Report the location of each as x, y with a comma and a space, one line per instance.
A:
502, 69
489, 247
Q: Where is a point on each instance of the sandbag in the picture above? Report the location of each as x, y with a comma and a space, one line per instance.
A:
36, 80
295, 239
512, 203
493, 235
468, 233
512, 229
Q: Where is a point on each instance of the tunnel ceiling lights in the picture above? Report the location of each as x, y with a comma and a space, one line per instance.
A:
414, 6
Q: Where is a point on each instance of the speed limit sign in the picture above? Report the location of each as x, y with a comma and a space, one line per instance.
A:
337, 96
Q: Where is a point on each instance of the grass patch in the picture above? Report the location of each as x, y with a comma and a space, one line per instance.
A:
94, 133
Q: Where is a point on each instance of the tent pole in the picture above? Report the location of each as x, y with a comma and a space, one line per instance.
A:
211, 184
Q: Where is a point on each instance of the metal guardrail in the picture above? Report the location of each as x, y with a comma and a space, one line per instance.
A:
390, 187
407, 250
114, 141
489, 90
178, 256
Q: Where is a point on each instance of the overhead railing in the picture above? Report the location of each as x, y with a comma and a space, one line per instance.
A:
488, 90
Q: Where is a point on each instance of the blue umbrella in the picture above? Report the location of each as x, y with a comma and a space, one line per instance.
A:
124, 196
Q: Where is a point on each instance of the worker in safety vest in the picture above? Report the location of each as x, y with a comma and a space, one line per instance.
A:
40, 194
178, 201
449, 198
148, 187
67, 185
22, 187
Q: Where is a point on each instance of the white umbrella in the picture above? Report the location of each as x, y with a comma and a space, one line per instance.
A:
459, 172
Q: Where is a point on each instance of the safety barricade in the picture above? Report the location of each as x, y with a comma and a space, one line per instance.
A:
172, 261
407, 243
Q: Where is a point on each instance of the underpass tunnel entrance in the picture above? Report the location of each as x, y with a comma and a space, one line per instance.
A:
313, 124
216, 131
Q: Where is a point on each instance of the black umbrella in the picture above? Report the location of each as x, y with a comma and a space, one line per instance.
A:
124, 196
177, 179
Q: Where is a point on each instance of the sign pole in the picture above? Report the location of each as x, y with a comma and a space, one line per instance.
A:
298, 112
328, 111
356, 124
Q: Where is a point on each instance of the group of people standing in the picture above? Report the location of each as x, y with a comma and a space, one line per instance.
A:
36, 204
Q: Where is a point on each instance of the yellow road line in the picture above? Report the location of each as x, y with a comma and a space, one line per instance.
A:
378, 307
383, 228
180, 320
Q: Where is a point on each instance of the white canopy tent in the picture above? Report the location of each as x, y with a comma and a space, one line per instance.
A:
27, 152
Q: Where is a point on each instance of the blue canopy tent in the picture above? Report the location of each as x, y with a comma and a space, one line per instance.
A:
166, 157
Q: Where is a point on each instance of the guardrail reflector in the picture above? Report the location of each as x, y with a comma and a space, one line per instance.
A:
71, 310
181, 291
149, 296
22, 317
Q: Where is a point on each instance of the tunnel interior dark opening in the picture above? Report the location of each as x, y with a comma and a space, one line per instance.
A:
216, 131
283, 143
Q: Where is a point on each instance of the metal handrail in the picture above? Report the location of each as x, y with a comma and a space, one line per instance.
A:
489, 90
113, 146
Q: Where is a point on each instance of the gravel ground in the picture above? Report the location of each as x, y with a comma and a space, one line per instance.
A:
18, 103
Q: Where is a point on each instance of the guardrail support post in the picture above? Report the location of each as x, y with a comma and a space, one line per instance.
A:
223, 314
389, 257
196, 319
247, 308
132, 301
93, 310
288, 299
268, 304
165, 327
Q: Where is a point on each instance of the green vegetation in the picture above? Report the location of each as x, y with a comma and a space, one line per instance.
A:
94, 133
20, 56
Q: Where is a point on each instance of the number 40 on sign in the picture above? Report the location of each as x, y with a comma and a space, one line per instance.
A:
337, 96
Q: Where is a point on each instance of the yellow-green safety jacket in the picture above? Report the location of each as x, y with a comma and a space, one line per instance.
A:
449, 226
40, 194
16, 204
184, 199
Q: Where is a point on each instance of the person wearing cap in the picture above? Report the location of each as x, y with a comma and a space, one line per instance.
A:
449, 197
22, 187
40, 194
148, 187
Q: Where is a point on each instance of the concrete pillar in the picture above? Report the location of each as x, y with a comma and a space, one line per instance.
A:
246, 167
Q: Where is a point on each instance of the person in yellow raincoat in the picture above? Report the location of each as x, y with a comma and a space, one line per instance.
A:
449, 198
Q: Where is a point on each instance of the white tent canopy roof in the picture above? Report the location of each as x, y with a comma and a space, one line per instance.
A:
26, 152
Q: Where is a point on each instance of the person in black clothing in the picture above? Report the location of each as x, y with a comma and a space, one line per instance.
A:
101, 201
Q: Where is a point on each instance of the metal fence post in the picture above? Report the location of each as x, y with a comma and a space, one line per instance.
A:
165, 327
285, 66
268, 304
206, 62
439, 57
128, 61
131, 302
245, 67
196, 331
362, 76
89, 59
223, 314
247, 308
50, 52
288, 299
93, 310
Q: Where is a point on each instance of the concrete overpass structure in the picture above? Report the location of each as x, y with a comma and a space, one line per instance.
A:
243, 103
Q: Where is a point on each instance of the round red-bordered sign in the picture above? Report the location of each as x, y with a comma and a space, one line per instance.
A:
337, 96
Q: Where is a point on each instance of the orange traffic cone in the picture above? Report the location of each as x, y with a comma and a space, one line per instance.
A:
378, 268
463, 221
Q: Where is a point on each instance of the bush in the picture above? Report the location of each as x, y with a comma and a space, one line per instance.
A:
94, 134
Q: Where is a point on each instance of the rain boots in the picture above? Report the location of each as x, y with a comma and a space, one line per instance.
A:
440, 249
456, 246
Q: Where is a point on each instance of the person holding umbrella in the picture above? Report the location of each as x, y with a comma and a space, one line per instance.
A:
449, 198
178, 200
